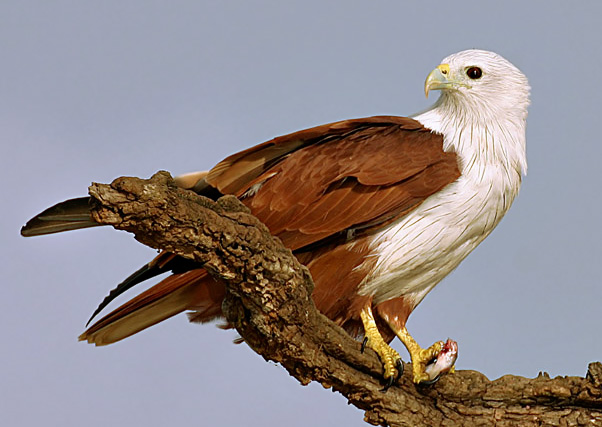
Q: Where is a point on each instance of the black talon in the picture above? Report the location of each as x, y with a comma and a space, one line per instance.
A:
389, 383
430, 382
364, 343
399, 369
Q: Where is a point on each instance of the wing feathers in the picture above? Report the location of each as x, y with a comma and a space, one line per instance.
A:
167, 298
71, 214
236, 171
190, 180
358, 179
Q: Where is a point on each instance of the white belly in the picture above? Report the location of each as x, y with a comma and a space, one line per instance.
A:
419, 250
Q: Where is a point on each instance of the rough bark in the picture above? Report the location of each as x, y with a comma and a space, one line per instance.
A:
269, 303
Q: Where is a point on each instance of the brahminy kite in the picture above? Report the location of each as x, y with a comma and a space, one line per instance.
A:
379, 209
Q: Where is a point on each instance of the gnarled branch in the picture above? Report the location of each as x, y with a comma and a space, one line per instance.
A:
269, 302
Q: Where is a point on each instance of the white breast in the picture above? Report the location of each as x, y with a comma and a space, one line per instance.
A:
417, 251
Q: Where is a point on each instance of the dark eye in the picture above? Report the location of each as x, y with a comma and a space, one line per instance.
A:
474, 73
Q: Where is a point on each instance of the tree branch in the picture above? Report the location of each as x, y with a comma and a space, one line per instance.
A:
269, 302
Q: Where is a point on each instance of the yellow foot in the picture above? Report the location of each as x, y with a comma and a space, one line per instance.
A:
389, 357
429, 364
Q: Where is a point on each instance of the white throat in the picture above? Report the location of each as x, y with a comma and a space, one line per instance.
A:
480, 134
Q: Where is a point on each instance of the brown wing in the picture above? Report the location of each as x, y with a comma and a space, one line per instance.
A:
306, 187
348, 175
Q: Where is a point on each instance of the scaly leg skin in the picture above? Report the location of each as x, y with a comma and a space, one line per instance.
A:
389, 357
421, 357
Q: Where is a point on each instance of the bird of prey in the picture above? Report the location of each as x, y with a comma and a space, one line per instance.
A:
379, 209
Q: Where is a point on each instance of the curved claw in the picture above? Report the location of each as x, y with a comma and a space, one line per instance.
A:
429, 382
364, 344
388, 384
399, 366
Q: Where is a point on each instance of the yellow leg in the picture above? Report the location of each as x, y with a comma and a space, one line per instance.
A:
389, 357
420, 357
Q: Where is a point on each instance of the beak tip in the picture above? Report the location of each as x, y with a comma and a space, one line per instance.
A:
437, 79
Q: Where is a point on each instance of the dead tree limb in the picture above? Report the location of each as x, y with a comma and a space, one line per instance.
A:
269, 302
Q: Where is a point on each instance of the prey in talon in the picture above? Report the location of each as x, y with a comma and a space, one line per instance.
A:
443, 363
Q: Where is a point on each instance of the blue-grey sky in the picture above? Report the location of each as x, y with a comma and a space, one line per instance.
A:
94, 90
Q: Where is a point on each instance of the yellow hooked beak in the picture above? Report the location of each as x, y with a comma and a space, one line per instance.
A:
439, 79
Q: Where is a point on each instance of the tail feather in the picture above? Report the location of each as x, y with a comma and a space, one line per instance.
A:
71, 214
189, 288
169, 297
159, 265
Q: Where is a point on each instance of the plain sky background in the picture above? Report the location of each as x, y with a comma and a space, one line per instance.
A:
90, 91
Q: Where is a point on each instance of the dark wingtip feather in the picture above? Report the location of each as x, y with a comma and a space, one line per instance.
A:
163, 263
143, 273
71, 214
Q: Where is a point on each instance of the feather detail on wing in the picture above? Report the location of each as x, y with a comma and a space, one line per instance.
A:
360, 174
162, 263
71, 214
167, 298
188, 181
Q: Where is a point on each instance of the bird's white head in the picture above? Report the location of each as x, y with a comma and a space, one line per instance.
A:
481, 84
482, 95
